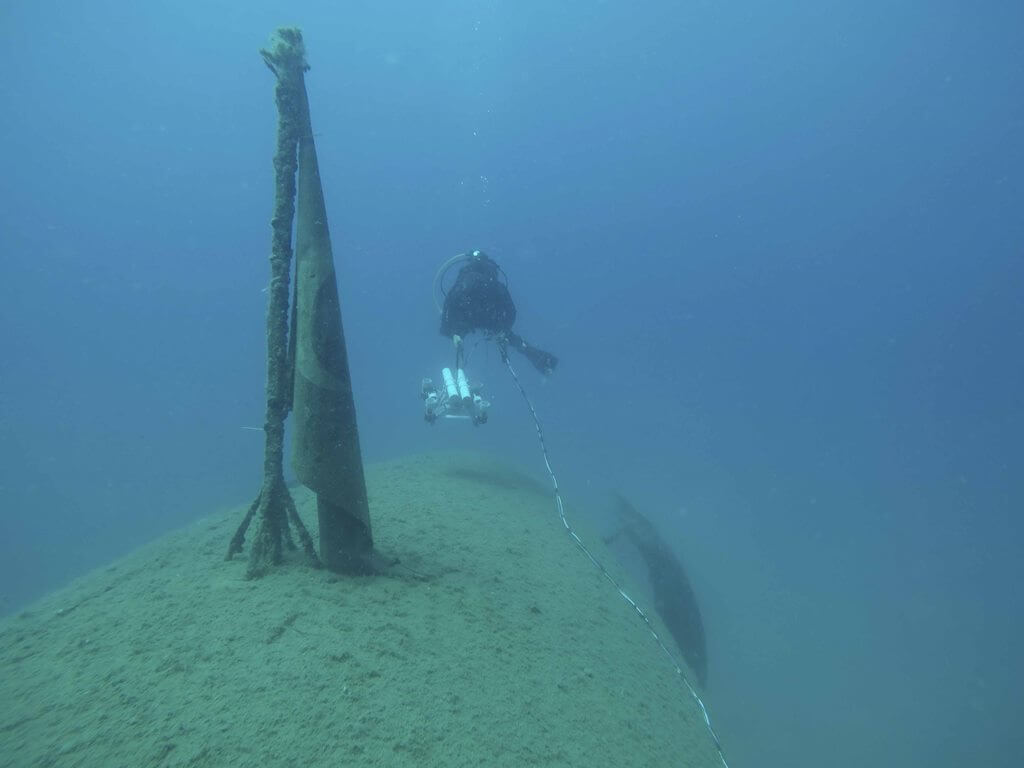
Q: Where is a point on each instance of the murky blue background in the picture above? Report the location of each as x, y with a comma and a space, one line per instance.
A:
778, 247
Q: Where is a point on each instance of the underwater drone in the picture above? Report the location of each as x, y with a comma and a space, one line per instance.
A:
457, 400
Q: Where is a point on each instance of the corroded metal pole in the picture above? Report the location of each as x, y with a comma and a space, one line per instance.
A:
274, 507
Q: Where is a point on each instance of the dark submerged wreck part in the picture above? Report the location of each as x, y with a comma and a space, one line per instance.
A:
674, 598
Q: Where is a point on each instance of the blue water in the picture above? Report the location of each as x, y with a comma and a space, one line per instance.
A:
777, 246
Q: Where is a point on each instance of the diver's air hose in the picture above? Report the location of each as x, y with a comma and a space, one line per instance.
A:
440, 274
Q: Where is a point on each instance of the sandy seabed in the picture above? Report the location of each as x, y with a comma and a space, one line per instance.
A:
509, 648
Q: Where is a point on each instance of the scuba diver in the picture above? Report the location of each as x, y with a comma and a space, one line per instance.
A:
479, 300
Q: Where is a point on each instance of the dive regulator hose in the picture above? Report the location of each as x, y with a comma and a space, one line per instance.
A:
437, 289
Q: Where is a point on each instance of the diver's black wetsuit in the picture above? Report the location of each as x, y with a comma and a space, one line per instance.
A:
479, 301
